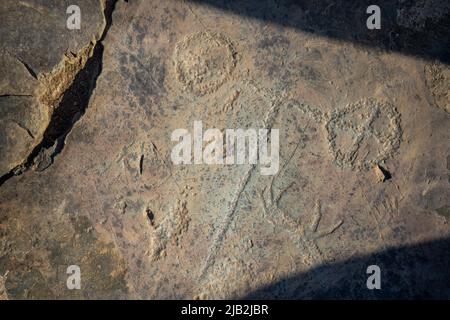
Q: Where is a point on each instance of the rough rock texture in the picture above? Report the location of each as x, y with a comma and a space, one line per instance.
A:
438, 81
111, 200
39, 59
35, 31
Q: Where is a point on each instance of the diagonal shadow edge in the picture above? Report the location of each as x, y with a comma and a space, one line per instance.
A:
404, 29
419, 271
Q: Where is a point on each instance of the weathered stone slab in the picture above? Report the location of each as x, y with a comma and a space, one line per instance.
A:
39, 59
35, 31
22, 124
139, 226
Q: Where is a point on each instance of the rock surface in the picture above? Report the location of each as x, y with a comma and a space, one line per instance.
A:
112, 202
39, 59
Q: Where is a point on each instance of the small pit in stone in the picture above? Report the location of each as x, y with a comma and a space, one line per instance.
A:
150, 216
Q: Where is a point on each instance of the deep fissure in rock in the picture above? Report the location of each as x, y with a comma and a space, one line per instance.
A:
71, 108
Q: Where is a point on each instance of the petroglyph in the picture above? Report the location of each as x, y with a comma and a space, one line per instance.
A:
220, 235
303, 235
167, 229
438, 82
143, 159
140, 160
229, 104
203, 61
364, 133
383, 212
315, 114
242, 105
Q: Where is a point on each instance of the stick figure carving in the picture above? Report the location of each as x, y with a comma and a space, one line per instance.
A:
362, 134
303, 235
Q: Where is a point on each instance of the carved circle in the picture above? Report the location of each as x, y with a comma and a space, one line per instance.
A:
364, 133
203, 61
